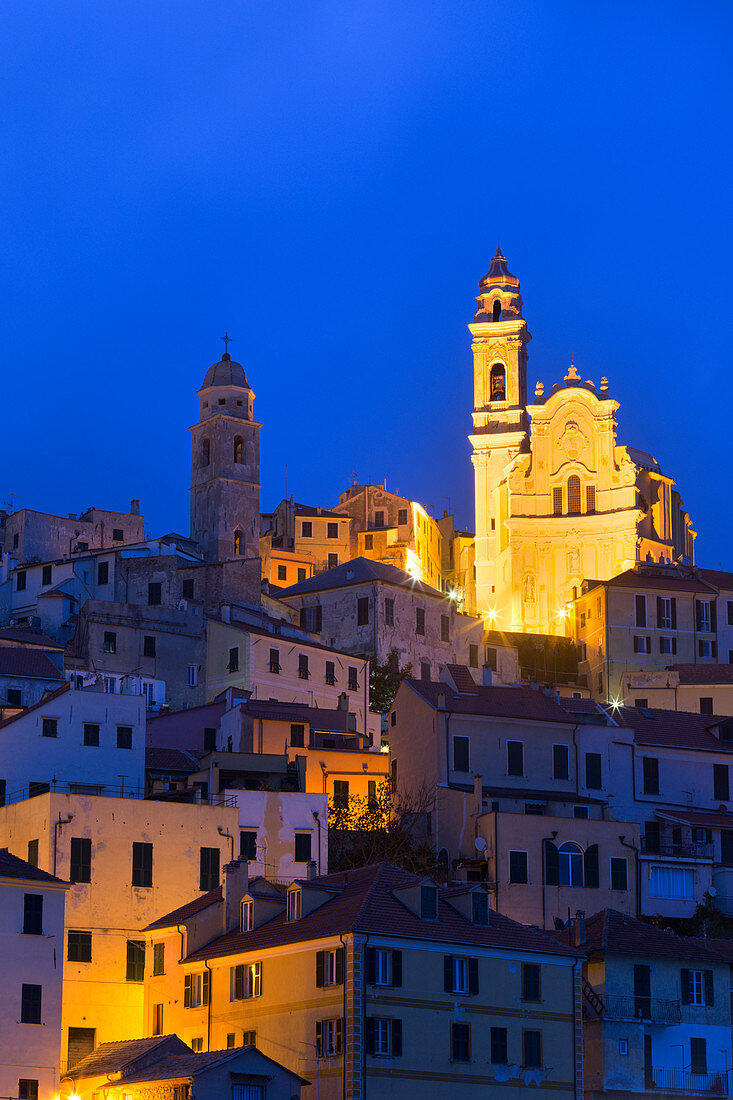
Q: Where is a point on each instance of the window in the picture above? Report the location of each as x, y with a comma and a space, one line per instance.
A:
383, 966
103, 572
196, 989
460, 975
79, 946
330, 672
445, 628
332, 531
15, 696
155, 591
209, 869
340, 793
124, 737
33, 914
379, 519
498, 1046
157, 1019
389, 612
282, 572
233, 664
20, 581
593, 771
619, 874
640, 609
46, 575
368, 542
248, 915
650, 769
238, 542
706, 705
238, 449
557, 500
27, 1089
428, 902
664, 613
275, 661
479, 907
50, 727
580, 811
532, 1049
30, 1004
148, 645
248, 844
302, 847
473, 656
80, 869
425, 670
303, 670
704, 616
33, 853
642, 643
135, 961
294, 904
246, 981
362, 611
191, 675
706, 648
497, 374
306, 529
330, 967
297, 735
515, 757
249, 1038
187, 588
698, 987
460, 1042
158, 959
531, 982
401, 516
142, 864
461, 762
677, 883
560, 761
590, 499
329, 1037
383, 1036
353, 680
301, 575
721, 783
667, 645
518, 871
573, 495
333, 560
110, 641
197, 1045
420, 620
570, 865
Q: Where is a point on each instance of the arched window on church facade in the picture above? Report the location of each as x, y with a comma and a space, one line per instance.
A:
497, 382
238, 542
205, 452
238, 449
573, 495
497, 310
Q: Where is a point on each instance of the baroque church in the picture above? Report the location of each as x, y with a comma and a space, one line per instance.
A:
558, 500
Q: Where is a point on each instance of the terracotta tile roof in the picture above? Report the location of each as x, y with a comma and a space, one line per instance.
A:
176, 1067
113, 1057
365, 903
496, 701
190, 909
312, 510
48, 697
28, 637
13, 867
699, 817
22, 661
329, 721
701, 674
678, 729
719, 577
462, 678
361, 571
160, 758
621, 934
639, 578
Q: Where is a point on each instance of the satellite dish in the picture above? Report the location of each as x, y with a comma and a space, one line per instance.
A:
712, 891
479, 844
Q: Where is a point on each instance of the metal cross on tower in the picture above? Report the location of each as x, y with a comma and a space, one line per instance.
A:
227, 341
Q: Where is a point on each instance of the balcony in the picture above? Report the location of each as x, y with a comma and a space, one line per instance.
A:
650, 846
642, 1008
685, 1081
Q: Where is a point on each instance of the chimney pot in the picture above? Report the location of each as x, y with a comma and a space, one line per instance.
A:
235, 882
487, 676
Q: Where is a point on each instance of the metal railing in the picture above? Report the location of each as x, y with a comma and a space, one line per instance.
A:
106, 790
686, 850
642, 1008
684, 1080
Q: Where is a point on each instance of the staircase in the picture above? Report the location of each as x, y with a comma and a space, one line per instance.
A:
592, 1000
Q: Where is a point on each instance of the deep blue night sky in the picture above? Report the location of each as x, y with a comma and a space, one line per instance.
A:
328, 181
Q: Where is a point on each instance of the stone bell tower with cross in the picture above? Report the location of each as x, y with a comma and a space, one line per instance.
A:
225, 465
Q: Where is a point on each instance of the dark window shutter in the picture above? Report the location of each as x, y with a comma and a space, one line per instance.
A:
239, 982
659, 611
714, 614
448, 973
552, 864
473, 975
319, 619
709, 988
339, 1034
397, 1037
339, 966
397, 968
591, 866
674, 645
302, 618
673, 601
371, 965
685, 986
187, 990
319, 1038
206, 988
319, 968
370, 1035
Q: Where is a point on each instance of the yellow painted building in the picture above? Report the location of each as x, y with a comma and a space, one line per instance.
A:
557, 498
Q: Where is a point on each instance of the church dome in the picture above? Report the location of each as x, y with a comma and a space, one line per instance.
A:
498, 273
226, 373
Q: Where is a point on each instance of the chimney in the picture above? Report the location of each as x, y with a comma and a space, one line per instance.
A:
579, 937
135, 507
311, 872
226, 613
441, 700
486, 676
235, 883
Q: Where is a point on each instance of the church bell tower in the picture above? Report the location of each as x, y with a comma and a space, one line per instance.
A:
225, 466
500, 422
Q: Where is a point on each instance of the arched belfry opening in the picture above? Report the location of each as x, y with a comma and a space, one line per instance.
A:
497, 310
205, 451
497, 382
238, 542
238, 449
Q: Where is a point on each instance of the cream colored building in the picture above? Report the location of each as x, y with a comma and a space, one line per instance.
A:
560, 500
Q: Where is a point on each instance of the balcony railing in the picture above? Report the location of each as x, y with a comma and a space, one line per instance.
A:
684, 1080
642, 1008
686, 850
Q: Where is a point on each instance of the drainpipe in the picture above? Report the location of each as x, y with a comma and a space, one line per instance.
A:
363, 1018
317, 820
211, 997
343, 1026
637, 872
179, 928
496, 860
229, 837
56, 827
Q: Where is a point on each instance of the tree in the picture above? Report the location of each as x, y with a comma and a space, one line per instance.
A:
384, 680
388, 826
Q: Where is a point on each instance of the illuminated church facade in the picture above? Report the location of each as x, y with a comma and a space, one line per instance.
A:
557, 498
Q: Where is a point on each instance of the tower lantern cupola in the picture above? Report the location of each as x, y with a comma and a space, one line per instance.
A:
498, 298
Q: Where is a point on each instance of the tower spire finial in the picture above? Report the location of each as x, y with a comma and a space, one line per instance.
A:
227, 341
